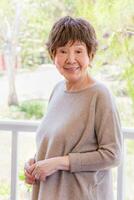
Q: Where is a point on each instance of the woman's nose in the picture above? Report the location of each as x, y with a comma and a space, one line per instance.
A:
71, 58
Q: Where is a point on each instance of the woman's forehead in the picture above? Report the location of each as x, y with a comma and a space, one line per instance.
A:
75, 43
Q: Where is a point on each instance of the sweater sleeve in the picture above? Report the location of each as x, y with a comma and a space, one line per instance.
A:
108, 138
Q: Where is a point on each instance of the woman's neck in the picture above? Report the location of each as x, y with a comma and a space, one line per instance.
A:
80, 84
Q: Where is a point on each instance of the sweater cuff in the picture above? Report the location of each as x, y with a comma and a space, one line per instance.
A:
75, 162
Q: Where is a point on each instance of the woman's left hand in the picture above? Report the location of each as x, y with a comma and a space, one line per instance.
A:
41, 169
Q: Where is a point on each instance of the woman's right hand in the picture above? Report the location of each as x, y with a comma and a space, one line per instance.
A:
29, 179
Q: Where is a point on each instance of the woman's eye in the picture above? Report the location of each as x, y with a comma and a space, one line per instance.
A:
78, 51
62, 51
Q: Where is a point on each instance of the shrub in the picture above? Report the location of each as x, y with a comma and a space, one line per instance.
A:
33, 109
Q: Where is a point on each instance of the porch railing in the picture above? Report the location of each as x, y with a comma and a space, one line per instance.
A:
30, 126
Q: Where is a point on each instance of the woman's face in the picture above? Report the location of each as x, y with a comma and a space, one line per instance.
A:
72, 61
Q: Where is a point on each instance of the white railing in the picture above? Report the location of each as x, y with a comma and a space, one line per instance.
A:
16, 127
30, 126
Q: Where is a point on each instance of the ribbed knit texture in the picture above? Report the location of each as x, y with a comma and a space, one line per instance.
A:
84, 125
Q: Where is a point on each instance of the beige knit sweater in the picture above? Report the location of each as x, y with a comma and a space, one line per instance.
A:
84, 125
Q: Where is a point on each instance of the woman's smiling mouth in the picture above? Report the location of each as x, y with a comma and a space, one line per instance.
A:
71, 69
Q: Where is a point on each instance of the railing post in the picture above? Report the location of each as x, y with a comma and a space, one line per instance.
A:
121, 177
14, 165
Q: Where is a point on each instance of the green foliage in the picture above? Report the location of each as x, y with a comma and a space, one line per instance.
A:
113, 21
36, 28
128, 51
4, 189
33, 109
130, 147
21, 175
129, 76
22, 179
30, 109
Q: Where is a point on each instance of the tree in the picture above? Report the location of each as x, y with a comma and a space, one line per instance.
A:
108, 18
9, 33
29, 37
113, 21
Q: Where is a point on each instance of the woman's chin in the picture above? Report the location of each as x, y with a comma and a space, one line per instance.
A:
73, 78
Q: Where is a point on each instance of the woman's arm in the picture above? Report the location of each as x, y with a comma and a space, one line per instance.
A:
63, 163
109, 139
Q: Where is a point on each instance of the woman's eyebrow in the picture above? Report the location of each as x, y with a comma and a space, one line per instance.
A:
63, 46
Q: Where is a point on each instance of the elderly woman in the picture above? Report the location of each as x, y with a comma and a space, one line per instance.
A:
79, 139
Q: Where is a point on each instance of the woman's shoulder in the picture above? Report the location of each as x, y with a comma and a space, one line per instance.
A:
58, 85
102, 89
103, 93
56, 88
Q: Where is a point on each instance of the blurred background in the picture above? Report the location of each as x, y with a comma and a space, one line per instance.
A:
27, 75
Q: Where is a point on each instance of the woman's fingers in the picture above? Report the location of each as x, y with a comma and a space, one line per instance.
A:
28, 168
31, 161
29, 181
35, 169
28, 164
38, 171
29, 175
37, 176
31, 168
